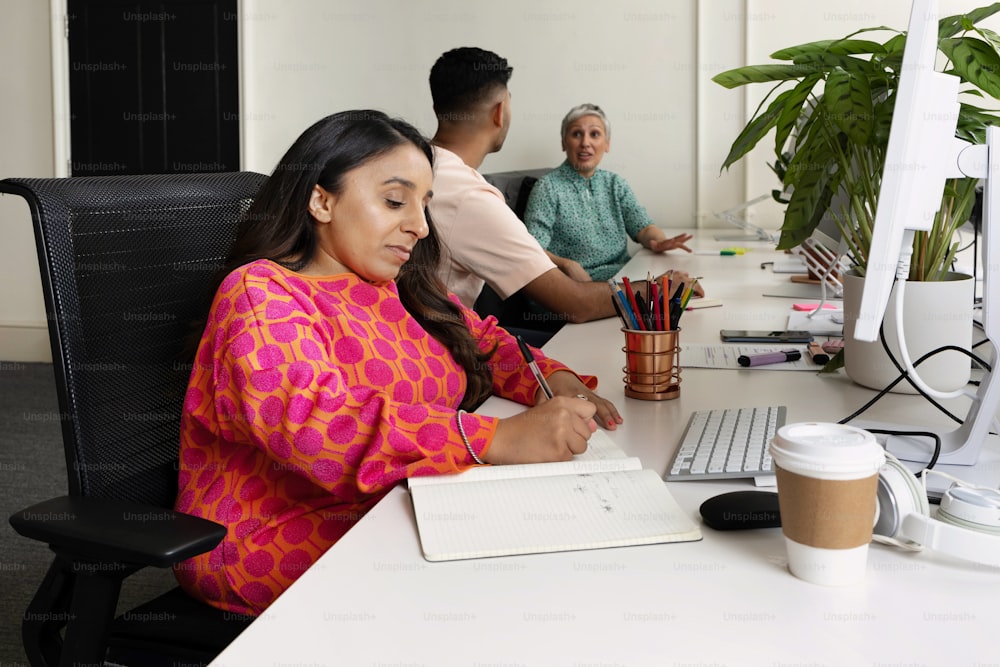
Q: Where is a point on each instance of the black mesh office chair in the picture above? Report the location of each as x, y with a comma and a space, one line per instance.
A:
125, 262
517, 313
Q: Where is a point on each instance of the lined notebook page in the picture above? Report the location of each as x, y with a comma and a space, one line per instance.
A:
543, 514
602, 455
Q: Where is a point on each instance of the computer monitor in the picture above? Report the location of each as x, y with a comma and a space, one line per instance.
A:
922, 153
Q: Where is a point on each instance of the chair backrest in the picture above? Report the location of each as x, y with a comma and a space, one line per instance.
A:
125, 264
516, 186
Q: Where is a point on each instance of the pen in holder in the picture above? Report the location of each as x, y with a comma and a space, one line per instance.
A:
652, 364
650, 321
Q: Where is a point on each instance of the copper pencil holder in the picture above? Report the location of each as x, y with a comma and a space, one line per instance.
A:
652, 364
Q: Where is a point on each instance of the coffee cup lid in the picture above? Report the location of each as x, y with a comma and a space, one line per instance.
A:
827, 451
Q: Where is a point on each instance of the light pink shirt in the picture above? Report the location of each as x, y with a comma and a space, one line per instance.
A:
481, 238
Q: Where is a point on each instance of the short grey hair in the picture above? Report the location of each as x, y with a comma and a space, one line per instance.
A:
582, 110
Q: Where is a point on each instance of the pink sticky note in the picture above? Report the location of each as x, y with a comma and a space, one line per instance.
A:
812, 306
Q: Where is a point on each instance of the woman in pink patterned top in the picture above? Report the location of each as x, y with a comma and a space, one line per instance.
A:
333, 365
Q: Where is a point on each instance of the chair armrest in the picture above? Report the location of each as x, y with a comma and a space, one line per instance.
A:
106, 530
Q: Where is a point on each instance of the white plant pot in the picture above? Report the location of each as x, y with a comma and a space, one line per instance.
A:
934, 314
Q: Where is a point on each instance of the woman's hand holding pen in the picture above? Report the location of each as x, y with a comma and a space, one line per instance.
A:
564, 383
554, 430
559, 425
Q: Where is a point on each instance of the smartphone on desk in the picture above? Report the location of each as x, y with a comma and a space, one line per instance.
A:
746, 336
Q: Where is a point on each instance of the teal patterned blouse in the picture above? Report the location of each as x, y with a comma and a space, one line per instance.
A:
586, 219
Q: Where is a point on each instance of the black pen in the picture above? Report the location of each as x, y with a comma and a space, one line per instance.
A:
530, 358
675, 312
644, 311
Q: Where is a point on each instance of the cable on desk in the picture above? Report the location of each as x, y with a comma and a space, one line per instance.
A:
981, 363
937, 439
885, 390
927, 434
904, 375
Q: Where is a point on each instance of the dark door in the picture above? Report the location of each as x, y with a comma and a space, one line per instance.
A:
153, 86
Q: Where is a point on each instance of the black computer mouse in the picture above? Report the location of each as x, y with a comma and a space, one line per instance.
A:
741, 510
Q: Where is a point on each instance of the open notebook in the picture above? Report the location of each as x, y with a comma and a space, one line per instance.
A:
602, 498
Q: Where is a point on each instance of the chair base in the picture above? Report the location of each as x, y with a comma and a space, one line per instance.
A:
147, 635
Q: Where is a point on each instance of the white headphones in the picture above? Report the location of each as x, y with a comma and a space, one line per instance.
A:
966, 525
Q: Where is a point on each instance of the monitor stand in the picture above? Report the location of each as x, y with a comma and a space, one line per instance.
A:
962, 446
745, 238
985, 472
753, 232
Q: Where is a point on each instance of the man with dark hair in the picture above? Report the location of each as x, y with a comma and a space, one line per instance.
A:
464, 78
482, 239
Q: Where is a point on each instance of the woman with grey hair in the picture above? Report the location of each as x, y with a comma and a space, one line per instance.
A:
583, 213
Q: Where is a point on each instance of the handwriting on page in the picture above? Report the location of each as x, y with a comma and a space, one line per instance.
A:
599, 490
541, 514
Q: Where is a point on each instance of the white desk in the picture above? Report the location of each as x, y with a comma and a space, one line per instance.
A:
726, 600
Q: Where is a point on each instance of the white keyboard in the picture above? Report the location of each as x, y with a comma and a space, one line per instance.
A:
727, 443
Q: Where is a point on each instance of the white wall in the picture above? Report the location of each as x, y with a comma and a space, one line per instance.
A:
636, 59
25, 150
649, 63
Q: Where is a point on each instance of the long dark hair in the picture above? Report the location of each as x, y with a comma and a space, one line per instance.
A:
279, 227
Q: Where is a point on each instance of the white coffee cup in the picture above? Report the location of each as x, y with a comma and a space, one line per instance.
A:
827, 483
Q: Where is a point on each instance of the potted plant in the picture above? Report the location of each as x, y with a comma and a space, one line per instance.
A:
830, 109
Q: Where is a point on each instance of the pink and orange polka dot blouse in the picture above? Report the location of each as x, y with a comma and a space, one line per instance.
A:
309, 399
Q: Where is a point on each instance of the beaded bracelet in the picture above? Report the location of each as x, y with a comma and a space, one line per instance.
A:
465, 439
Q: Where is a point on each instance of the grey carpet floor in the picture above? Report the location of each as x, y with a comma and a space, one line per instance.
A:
32, 469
